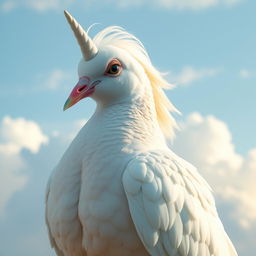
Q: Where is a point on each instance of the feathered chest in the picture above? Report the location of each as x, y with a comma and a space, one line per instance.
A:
91, 197
87, 206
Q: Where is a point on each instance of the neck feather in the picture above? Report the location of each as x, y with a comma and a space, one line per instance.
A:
130, 124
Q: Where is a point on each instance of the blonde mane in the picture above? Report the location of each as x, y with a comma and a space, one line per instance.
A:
120, 38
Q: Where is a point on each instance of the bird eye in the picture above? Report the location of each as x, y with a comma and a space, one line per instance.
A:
114, 68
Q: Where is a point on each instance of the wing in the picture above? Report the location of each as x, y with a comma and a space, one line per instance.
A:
172, 208
52, 241
64, 227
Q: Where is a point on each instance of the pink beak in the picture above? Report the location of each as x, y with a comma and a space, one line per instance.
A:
82, 90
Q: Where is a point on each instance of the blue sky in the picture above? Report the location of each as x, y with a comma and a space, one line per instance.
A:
208, 49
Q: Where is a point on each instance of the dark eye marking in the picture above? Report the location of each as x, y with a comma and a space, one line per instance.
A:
114, 68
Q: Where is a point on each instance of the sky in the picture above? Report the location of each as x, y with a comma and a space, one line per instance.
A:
205, 47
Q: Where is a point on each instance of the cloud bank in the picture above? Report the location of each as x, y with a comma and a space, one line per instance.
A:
37, 5
46, 5
23, 223
246, 73
173, 4
190, 74
207, 143
16, 135
57, 79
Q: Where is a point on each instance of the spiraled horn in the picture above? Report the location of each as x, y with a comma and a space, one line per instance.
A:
88, 48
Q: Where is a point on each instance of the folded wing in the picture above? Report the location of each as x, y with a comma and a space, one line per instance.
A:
172, 207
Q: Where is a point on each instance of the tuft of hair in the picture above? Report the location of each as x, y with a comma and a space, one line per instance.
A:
118, 37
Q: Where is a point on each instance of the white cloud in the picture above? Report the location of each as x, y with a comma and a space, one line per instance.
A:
37, 5
189, 74
56, 80
11, 180
245, 73
15, 135
67, 135
8, 5
45, 5
24, 216
75, 129
210, 136
244, 192
195, 4
172, 4
79, 124
207, 143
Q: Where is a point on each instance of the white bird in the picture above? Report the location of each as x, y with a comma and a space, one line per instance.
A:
118, 189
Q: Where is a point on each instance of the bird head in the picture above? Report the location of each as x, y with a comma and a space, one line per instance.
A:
108, 74
116, 68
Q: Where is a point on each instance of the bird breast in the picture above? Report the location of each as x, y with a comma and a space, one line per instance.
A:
86, 188
103, 209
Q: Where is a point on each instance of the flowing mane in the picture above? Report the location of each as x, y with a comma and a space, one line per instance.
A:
120, 38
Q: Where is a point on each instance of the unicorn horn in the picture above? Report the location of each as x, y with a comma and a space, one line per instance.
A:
88, 48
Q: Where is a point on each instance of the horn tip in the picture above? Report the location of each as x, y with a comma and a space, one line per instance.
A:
67, 14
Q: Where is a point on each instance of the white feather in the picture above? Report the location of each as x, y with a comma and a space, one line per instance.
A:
189, 229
